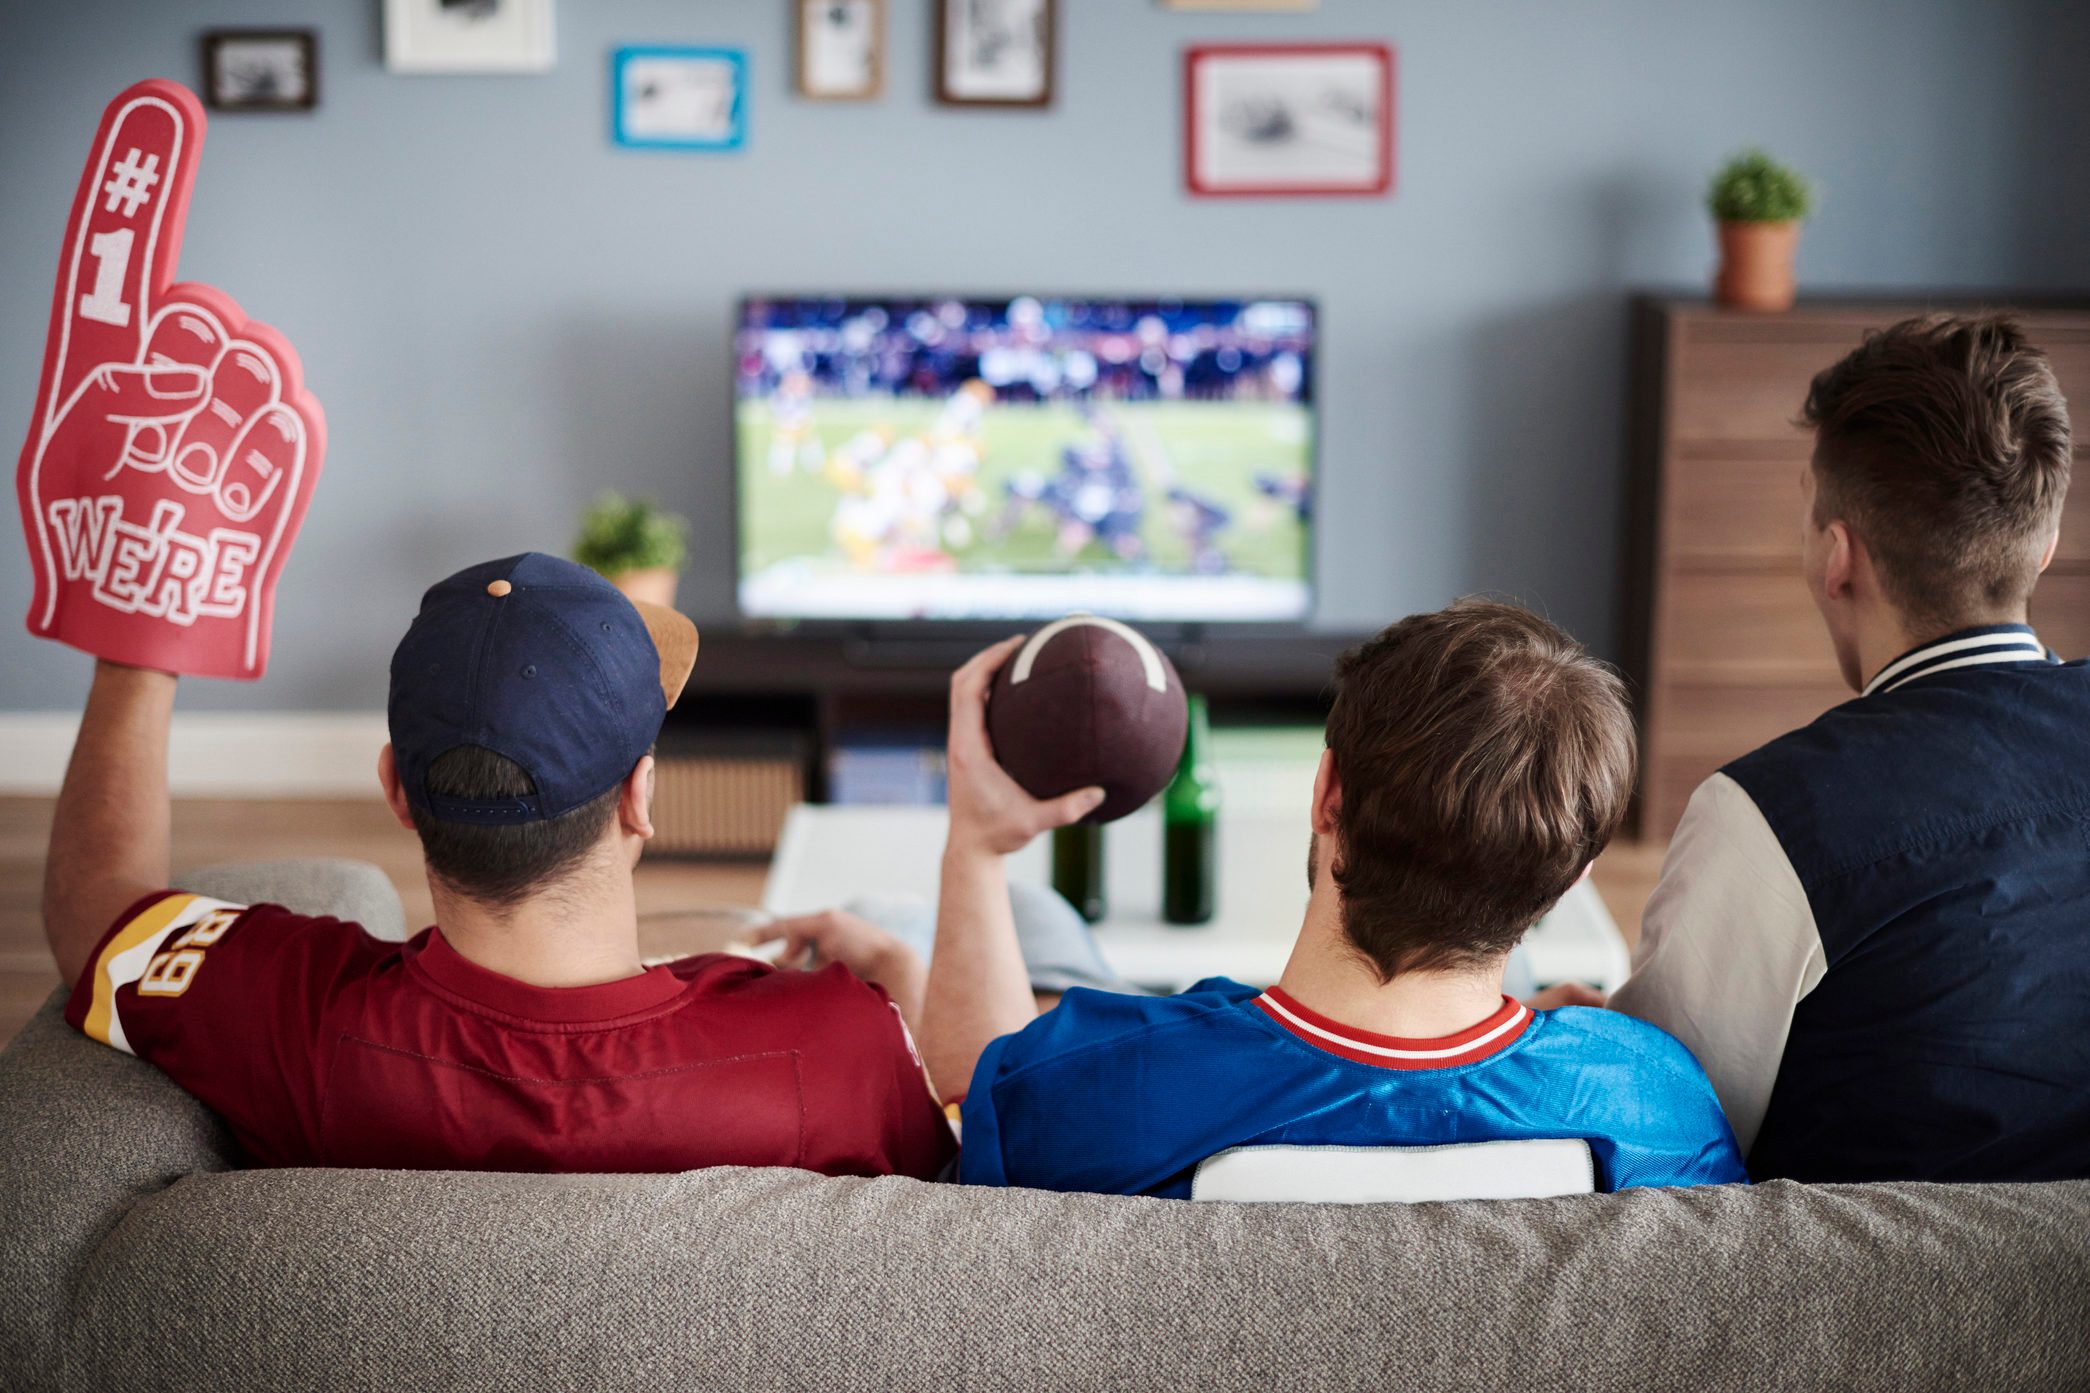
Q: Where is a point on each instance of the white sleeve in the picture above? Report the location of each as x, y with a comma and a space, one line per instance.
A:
1728, 947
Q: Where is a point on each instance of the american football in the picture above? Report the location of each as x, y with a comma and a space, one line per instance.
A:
1089, 701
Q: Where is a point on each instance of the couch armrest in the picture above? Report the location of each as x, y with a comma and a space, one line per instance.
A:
89, 1131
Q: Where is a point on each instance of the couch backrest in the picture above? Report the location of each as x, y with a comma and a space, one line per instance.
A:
135, 1254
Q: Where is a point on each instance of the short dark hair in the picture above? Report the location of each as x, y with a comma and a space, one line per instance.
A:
1943, 442
501, 866
1483, 760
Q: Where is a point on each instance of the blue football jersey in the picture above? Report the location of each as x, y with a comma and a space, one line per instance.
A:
1123, 1094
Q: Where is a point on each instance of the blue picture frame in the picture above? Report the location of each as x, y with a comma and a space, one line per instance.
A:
735, 136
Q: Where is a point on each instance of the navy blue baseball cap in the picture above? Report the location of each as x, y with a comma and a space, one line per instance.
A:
540, 660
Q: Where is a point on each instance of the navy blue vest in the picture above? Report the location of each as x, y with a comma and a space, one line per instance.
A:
1941, 829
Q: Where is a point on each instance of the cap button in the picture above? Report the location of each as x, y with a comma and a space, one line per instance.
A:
498, 588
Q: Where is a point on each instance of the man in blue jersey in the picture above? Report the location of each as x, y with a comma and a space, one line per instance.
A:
1875, 931
1477, 762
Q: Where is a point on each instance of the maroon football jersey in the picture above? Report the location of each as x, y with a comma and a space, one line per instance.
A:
322, 1046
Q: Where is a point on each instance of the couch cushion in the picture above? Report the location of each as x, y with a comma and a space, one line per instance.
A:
135, 1257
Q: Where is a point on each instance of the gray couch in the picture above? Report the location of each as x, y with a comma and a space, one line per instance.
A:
134, 1253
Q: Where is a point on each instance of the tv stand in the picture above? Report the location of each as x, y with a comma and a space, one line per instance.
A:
1227, 662
868, 646
815, 686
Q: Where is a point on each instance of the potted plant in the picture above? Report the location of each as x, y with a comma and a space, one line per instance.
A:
635, 544
1759, 204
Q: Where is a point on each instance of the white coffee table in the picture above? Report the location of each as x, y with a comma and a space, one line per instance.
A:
830, 855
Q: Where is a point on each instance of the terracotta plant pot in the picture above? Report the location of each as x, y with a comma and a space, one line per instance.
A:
655, 585
1756, 265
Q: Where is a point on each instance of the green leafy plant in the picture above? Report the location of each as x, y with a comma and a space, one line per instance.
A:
1753, 187
630, 534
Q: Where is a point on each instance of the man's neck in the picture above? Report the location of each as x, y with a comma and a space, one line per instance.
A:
583, 933
1326, 975
1882, 635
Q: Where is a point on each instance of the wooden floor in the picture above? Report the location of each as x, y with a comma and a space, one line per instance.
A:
671, 893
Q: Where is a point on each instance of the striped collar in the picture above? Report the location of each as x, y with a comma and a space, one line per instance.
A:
1469, 1046
1990, 646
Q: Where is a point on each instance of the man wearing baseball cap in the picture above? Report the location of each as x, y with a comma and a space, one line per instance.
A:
520, 1031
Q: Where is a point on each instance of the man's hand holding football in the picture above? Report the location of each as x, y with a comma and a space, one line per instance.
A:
990, 812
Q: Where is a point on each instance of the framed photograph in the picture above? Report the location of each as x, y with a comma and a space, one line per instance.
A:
469, 36
841, 49
994, 52
261, 69
679, 98
1288, 119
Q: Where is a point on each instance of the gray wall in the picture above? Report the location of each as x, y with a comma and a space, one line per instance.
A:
503, 313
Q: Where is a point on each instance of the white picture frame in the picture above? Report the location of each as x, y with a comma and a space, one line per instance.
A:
470, 36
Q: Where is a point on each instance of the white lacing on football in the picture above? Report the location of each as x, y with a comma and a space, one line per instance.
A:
1149, 656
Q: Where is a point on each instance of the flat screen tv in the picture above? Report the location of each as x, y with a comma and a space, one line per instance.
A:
1026, 457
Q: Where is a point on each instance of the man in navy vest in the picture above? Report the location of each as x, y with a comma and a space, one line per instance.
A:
1874, 932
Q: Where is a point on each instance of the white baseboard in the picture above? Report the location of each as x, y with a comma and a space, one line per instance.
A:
217, 754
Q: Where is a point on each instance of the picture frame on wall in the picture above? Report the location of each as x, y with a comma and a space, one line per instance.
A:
469, 36
841, 50
261, 69
666, 98
1288, 120
995, 52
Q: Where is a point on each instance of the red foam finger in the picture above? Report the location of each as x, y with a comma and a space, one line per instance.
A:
124, 235
162, 489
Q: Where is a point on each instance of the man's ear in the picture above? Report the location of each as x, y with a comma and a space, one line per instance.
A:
1328, 797
635, 803
395, 791
1840, 567
2052, 544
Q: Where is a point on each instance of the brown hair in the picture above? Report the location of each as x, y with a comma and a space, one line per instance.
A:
1484, 759
1943, 443
500, 866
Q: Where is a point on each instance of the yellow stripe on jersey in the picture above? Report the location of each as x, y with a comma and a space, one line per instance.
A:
154, 923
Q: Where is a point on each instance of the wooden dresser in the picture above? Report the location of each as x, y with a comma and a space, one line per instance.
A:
1725, 648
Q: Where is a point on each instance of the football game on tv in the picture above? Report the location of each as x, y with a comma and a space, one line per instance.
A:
1024, 458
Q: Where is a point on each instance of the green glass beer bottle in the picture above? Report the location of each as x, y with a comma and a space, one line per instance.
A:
1190, 828
1077, 868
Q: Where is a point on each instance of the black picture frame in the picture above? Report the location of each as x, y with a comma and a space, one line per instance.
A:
949, 95
215, 92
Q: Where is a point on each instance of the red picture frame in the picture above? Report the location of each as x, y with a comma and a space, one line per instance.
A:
1375, 182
